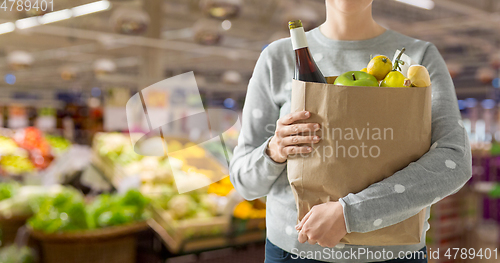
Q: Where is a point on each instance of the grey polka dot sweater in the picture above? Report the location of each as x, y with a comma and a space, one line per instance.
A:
439, 173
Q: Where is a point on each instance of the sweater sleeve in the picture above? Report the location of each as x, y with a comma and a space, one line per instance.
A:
252, 171
442, 171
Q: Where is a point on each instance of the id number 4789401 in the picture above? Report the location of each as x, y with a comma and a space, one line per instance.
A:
27, 5
464, 253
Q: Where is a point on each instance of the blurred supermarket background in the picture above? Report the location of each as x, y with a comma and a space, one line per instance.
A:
66, 76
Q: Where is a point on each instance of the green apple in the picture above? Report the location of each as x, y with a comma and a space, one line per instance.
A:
356, 78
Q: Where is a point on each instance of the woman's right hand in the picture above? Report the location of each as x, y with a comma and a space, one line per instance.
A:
292, 138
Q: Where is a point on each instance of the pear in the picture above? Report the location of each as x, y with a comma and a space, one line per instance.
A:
419, 76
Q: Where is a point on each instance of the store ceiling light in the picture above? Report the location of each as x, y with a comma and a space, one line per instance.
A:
27, 22
56, 16
7, 27
425, 4
90, 8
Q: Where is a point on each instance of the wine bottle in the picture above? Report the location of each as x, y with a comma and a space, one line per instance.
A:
305, 66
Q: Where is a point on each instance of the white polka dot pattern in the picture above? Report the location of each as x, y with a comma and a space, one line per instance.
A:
377, 222
450, 164
434, 145
318, 57
399, 188
257, 113
340, 245
289, 230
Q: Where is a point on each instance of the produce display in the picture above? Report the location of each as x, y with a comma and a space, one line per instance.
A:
182, 207
201, 213
15, 254
382, 72
117, 147
249, 216
9, 147
15, 164
68, 211
250, 210
34, 142
193, 165
113, 210
495, 191
58, 144
222, 187
7, 190
13, 159
195, 204
29, 151
19, 201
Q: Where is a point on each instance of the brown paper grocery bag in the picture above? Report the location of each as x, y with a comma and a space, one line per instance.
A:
368, 134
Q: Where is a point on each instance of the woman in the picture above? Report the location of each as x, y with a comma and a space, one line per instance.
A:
344, 42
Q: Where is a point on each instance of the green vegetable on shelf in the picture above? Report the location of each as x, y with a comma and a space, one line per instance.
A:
68, 212
26, 200
58, 144
15, 254
117, 148
109, 210
495, 191
116, 216
100, 205
64, 212
7, 190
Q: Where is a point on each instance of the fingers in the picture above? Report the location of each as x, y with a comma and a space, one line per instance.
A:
302, 234
293, 117
302, 237
312, 241
303, 221
283, 144
294, 140
291, 150
297, 128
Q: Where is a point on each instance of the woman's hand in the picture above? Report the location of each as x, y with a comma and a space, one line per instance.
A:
324, 224
288, 138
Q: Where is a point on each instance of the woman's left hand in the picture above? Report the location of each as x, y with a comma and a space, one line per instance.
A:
323, 224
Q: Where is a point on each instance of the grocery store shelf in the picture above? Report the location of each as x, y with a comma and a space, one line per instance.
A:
205, 244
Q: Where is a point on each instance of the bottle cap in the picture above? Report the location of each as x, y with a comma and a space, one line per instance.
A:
294, 24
